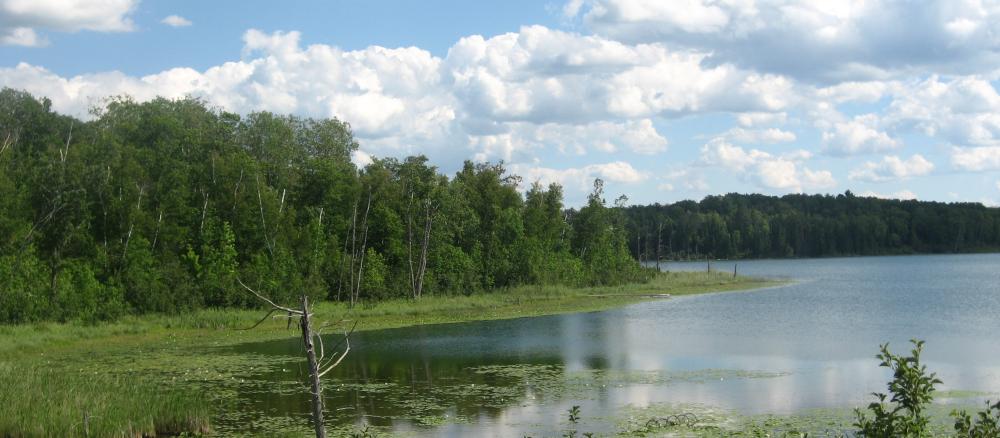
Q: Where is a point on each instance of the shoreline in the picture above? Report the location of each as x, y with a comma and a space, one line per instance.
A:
161, 358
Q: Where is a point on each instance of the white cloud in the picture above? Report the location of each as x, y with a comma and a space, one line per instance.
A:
21, 36
572, 8
361, 158
854, 91
858, 136
824, 41
784, 173
759, 136
962, 110
176, 21
543, 75
520, 139
579, 179
505, 97
21, 19
754, 119
390, 96
976, 158
892, 168
686, 177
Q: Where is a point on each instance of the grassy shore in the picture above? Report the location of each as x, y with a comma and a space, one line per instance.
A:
134, 377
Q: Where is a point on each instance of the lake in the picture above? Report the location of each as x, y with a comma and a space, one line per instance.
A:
808, 345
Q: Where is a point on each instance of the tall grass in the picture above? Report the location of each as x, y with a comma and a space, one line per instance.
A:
37, 401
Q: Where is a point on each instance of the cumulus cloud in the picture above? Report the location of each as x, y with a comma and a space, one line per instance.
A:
176, 21
758, 136
579, 179
687, 178
504, 97
779, 172
21, 19
543, 75
638, 136
389, 95
892, 168
361, 158
21, 36
976, 158
961, 110
858, 136
815, 41
756, 119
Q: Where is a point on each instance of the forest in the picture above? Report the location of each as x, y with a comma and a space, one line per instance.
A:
759, 226
164, 206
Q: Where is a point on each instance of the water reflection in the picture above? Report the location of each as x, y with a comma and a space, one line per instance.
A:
820, 334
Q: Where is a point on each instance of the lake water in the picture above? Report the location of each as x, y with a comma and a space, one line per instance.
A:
782, 350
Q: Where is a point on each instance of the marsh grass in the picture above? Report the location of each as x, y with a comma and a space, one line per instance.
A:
36, 401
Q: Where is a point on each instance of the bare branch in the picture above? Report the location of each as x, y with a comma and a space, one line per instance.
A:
322, 353
259, 322
266, 300
346, 339
263, 224
347, 349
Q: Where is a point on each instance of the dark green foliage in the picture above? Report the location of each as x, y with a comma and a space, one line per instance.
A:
756, 226
26, 289
911, 389
161, 206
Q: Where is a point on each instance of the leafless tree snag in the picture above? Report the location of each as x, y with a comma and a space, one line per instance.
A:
319, 364
417, 276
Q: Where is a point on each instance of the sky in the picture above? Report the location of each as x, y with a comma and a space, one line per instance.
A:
664, 100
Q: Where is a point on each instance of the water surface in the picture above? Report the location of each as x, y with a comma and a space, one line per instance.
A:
782, 350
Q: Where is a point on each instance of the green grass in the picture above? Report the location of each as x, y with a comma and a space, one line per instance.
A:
52, 375
39, 401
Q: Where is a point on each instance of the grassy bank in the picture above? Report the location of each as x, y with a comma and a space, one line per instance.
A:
142, 375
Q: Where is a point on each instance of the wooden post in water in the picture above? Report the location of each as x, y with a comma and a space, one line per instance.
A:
734, 269
708, 262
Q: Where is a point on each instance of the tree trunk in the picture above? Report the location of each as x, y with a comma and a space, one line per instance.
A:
659, 230
317, 391
423, 252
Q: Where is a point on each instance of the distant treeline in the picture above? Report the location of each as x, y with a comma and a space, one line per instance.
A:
162, 206
756, 226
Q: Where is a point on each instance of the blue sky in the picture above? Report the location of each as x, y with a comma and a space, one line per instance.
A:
663, 100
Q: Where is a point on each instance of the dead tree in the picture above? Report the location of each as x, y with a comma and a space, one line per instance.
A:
319, 364
417, 276
659, 231
357, 254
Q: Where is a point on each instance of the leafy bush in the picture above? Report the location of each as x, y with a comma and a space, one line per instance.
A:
24, 289
985, 425
911, 388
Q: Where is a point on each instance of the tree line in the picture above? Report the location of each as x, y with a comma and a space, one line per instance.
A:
758, 226
162, 206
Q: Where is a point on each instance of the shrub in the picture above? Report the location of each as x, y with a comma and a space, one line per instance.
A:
911, 389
